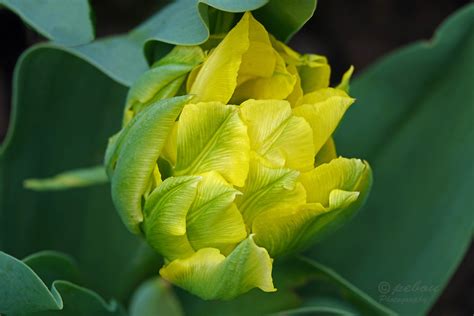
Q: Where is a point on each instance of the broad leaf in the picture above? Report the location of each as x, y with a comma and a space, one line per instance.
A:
24, 292
64, 110
155, 298
413, 124
66, 22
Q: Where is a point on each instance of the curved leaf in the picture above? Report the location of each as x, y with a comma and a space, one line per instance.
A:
284, 18
22, 290
63, 112
64, 21
323, 287
155, 298
415, 127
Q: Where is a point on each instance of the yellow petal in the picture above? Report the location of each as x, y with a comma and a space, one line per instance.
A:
341, 173
259, 60
217, 78
213, 220
210, 275
170, 150
326, 153
267, 189
314, 72
335, 191
344, 84
212, 137
282, 139
297, 92
165, 214
323, 110
278, 86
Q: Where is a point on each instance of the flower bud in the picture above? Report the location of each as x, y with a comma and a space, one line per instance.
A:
240, 172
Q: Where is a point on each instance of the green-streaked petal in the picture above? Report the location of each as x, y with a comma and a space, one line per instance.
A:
165, 216
282, 139
278, 86
212, 137
213, 220
314, 72
326, 153
163, 80
217, 78
346, 78
341, 173
269, 188
210, 275
323, 110
346, 183
132, 155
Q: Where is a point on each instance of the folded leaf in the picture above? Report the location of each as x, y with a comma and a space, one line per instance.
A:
23, 292
64, 21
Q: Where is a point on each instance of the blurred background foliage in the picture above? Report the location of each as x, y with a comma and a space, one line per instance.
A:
348, 32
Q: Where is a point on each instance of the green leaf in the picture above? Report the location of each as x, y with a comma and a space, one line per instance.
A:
69, 179
324, 288
51, 266
23, 291
67, 22
414, 126
189, 22
155, 298
283, 18
63, 112
254, 303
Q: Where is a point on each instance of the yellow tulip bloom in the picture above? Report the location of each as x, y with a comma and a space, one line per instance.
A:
226, 160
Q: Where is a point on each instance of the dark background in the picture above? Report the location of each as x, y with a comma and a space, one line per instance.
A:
348, 32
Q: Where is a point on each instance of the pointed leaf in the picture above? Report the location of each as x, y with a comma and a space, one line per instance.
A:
415, 128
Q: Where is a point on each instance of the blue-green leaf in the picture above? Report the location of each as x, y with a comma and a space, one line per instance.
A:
24, 292
155, 298
64, 21
413, 124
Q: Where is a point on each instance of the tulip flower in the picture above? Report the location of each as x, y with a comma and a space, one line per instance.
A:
226, 160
